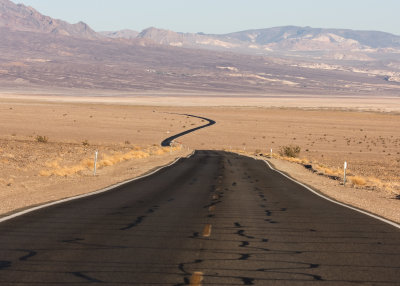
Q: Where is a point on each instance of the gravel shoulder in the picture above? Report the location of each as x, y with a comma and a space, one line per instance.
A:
378, 202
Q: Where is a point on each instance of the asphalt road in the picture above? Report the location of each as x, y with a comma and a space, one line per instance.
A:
168, 141
215, 217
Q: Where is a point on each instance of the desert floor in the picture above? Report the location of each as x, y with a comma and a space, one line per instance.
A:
127, 133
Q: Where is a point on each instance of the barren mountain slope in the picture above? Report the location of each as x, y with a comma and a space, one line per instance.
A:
22, 18
40, 52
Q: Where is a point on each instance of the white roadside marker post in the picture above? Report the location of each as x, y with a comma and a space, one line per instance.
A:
344, 174
271, 153
95, 162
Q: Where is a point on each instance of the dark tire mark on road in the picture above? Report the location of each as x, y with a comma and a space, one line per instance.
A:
30, 254
5, 264
86, 277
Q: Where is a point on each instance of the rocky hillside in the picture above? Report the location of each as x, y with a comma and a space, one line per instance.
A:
282, 39
123, 34
307, 38
18, 17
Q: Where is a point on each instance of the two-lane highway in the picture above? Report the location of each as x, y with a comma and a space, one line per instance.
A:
215, 218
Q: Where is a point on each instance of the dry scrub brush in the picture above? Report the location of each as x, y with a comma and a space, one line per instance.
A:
290, 151
42, 139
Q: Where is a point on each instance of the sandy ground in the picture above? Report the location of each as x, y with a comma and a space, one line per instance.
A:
359, 102
35, 172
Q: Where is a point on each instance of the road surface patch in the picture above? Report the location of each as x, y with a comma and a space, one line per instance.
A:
196, 279
207, 230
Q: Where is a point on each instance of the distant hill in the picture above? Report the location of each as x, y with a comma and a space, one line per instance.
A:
123, 34
313, 38
18, 17
288, 38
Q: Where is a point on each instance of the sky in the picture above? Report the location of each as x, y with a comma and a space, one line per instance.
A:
224, 16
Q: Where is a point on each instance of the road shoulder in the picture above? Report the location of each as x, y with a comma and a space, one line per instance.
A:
376, 202
76, 186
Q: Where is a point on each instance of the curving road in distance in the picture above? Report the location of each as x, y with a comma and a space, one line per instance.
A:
168, 141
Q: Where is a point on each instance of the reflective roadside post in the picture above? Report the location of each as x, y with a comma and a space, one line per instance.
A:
344, 174
95, 162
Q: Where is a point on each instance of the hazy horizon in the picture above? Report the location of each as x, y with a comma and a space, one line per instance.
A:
220, 17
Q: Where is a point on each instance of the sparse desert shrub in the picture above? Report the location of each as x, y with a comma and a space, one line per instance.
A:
290, 151
42, 139
85, 143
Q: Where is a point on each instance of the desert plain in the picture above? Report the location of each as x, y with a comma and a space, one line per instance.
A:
47, 143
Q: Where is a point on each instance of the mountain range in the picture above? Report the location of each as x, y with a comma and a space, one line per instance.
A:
37, 50
288, 38
262, 41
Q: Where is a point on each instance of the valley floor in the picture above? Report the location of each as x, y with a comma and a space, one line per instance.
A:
127, 132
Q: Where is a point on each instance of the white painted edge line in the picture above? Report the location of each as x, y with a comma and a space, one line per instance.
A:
91, 193
333, 201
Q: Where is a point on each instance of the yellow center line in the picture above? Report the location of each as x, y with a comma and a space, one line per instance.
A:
211, 208
207, 230
196, 279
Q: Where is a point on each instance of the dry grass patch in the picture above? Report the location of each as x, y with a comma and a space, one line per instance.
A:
336, 172
358, 181
87, 165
